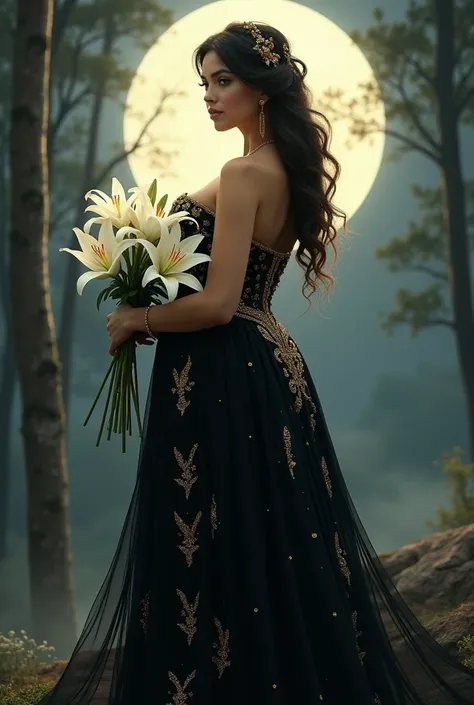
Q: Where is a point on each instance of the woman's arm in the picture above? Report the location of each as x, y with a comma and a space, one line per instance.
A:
237, 204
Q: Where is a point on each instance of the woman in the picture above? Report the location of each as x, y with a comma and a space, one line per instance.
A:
243, 574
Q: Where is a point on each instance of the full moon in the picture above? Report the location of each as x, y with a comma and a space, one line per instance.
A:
182, 148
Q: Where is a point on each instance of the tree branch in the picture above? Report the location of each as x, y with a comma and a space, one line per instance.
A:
412, 144
65, 101
465, 101
72, 76
430, 323
421, 71
463, 81
409, 107
60, 20
66, 108
138, 142
428, 270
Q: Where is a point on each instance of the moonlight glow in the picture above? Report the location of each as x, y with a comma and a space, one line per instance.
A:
184, 129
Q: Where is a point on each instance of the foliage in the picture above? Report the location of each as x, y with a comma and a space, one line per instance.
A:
402, 56
423, 250
460, 482
27, 694
466, 649
21, 656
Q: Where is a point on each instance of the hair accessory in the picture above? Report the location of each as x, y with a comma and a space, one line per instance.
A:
287, 53
264, 46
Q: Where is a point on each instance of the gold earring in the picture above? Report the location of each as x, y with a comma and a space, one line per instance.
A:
262, 119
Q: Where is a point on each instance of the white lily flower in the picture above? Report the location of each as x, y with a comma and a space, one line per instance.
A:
151, 222
170, 259
117, 207
101, 256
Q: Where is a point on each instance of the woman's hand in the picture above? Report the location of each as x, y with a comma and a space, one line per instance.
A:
119, 326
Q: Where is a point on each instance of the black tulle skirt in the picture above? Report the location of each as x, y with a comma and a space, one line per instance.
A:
243, 575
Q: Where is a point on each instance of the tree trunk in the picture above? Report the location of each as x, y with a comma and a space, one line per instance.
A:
454, 204
43, 419
7, 362
69, 299
7, 396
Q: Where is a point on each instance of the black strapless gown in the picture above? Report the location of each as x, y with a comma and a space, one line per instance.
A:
243, 574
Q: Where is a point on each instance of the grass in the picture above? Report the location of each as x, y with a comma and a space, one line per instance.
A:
23, 694
21, 662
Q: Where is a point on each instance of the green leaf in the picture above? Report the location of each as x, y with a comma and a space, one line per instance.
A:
152, 191
162, 202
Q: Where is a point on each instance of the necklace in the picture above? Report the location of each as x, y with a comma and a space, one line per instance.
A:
259, 147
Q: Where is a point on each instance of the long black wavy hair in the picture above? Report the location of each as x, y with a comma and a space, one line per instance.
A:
302, 137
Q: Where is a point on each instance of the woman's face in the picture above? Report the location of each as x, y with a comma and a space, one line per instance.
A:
230, 102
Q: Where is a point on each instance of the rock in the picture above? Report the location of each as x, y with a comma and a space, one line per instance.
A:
447, 631
436, 572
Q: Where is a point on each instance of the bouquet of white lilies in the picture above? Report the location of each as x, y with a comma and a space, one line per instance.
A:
141, 251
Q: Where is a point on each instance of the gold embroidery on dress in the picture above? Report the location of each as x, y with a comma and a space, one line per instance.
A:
189, 614
221, 659
188, 535
358, 634
342, 560
183, 385
145, 611
213, 515
181, 697
327, 479
289, 454
286, 351
187, 479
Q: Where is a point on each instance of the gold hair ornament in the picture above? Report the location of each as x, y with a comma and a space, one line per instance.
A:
265, 47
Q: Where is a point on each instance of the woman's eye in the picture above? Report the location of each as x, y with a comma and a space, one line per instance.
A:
222, 82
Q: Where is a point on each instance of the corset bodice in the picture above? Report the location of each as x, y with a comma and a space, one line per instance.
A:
264, 268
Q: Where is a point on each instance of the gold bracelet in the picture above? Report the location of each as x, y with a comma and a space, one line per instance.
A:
148, 330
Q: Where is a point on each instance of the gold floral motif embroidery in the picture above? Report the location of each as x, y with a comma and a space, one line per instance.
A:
181, 697
327, 479
187, 480
221, 659
289, 454
342, 560
213, 515
183, 385
286, 351
145, 611
188, 535
189, 614
358, 634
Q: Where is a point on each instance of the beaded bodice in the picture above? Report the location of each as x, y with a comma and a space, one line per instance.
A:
264, 268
